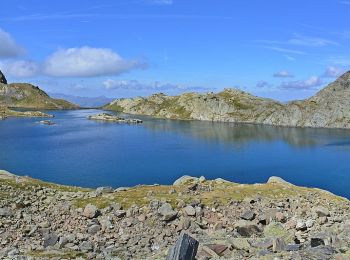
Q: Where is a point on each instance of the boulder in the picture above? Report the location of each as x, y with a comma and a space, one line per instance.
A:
103, 190
247, 228
167, 212
190, 211
92, 230
91, 211
50, 239
276, 230
248, 215
322, 211
275, 179
185, 180
185, 248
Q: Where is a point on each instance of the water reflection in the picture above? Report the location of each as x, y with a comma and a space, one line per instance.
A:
240, 134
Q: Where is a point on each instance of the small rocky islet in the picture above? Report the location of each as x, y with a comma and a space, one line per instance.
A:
275, 220
116, 119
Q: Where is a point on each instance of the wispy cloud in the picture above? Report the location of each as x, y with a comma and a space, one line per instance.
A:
340, 60
8, 46
345, 2
309, 83
283, 74
284, 50
161, 2
104, 16
112, 84
302, 40
288, 57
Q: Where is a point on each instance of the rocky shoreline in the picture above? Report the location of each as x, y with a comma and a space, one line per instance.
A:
6, 113
276, 220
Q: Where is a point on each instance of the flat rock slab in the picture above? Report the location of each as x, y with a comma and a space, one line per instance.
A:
185, 248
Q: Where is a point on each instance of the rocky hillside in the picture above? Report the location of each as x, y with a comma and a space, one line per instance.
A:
328, 108
23, 95
276, 220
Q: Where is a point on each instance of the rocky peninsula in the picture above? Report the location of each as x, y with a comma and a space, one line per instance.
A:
275, 220
5, 113
113, 118
27, 96
329, 108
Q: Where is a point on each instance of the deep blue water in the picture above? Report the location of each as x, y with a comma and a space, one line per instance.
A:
77, 151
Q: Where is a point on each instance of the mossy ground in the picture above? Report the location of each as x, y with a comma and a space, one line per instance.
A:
220, 192
56, 254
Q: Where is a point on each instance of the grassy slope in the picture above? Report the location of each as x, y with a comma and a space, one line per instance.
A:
31, 97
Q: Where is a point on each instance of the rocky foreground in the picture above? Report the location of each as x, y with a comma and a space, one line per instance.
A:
276, 220
329, 108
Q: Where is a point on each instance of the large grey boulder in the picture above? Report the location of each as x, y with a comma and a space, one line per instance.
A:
185, 180
167, 212
91, 211
275, 179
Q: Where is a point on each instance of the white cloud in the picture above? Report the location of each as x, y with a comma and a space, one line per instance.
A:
309, 83
20, 68
285, 50
87, 62
283, 74
8, 46
334, 72
112, 84
345, 2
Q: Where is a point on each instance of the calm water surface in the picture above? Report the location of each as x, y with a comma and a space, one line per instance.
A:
77, 151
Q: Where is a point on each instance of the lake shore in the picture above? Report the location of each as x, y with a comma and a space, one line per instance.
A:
42, 220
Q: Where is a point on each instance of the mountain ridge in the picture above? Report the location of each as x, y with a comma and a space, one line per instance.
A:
328, 108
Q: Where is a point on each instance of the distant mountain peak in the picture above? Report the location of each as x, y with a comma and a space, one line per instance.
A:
2, 78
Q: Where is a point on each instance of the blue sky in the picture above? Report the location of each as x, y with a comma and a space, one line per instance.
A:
280, 49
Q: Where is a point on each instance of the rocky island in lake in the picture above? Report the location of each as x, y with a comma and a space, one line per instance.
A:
116, 119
